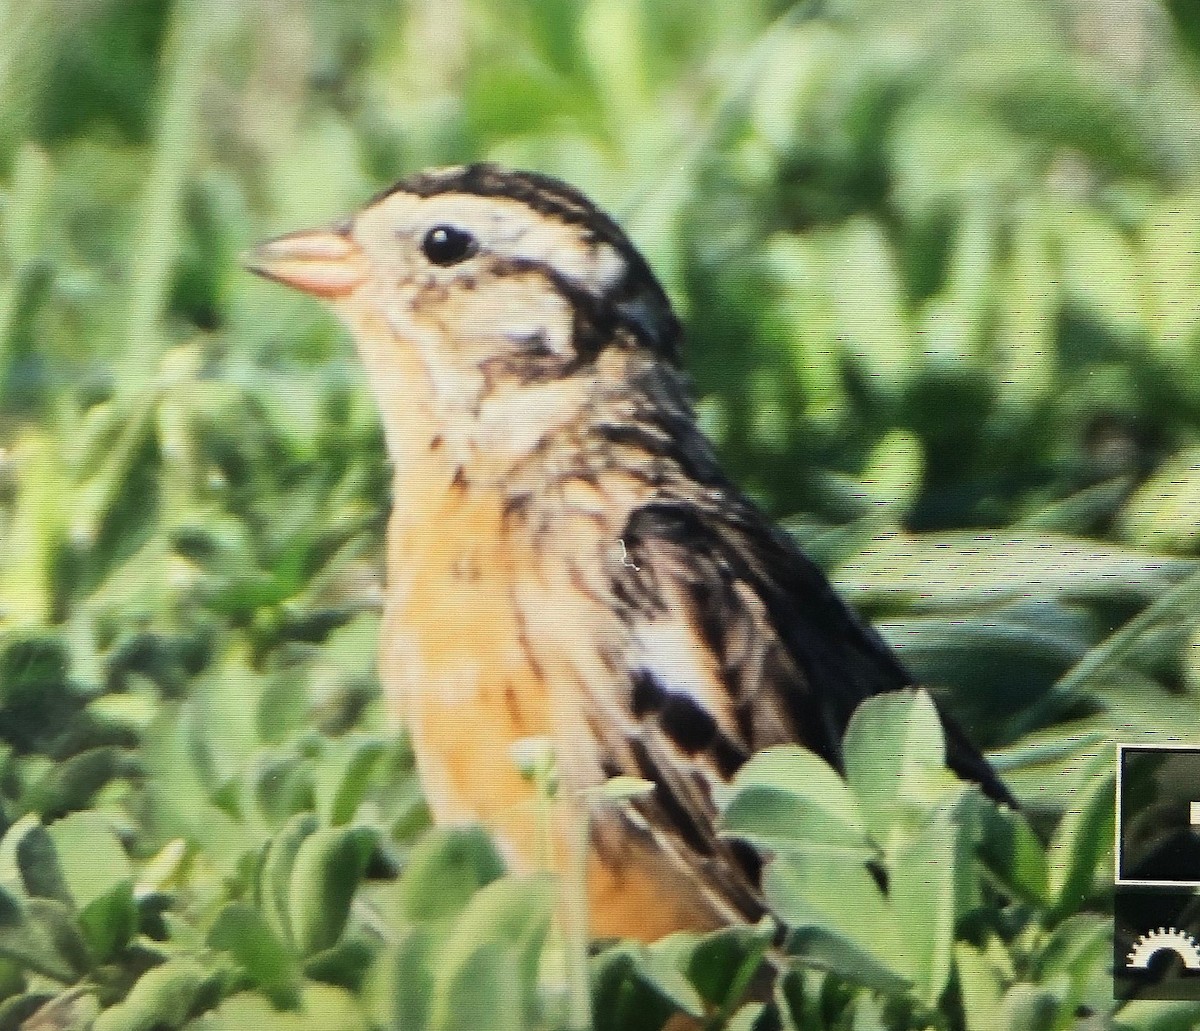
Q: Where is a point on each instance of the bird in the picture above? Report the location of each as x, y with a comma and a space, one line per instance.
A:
567, 565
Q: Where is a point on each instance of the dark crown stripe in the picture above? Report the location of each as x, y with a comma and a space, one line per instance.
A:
544, 194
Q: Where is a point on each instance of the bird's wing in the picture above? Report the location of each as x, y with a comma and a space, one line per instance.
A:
737, 642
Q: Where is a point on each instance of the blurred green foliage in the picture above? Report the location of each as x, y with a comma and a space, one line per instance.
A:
940, 270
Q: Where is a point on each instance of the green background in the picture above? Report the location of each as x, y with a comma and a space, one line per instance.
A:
939, 267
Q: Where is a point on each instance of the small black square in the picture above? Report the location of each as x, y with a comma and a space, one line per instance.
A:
1158, 816
1156, 947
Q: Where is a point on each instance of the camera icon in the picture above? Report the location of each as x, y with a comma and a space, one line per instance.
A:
1156, 944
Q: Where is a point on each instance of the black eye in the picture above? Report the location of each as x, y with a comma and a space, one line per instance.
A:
448, 245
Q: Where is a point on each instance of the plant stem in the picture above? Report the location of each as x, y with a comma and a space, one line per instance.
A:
575, 922
150, 275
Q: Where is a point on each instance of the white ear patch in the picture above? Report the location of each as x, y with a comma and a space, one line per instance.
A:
594, 266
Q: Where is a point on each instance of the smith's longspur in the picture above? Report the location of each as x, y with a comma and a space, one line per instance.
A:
566, 560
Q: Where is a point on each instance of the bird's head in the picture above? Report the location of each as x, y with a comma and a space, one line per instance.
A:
486, 299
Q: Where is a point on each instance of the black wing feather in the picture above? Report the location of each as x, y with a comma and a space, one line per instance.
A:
818, 660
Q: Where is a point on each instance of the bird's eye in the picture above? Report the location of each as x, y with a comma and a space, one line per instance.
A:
448, 245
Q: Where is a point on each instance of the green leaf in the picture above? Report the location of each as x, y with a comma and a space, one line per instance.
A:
957, 320
42, 939
921, 891
997, 662
484, 990
1013, 852
344, 776
29, 862
275, 878
1079, 511
868, 1014
853, 933
330, 1009
868, 306
345, 965
637, 987
446, 868
244, 933
1158, 1015
282, 786
1170, 254
162, 997
72, 784
1101, 271
54, 923
226, 702
491, 958
12, 980
515, 911
892, 476
35, 534
109, 922
746, 1018
181, 785
664, 965
400, 982
321, 1006
621, 1000
619, 789
328, 867
92, 859
722, 964
981, 987
1029, 1007
1064, 104
1080, 950
1083, 842
100, 878
513, 94
28, 205
163, 868
789, 798
802, 321
957, 570
1163, 514
895, 759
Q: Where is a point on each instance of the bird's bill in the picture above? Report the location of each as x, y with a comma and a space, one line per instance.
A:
323, 262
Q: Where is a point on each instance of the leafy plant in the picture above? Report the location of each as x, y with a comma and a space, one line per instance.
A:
938, 272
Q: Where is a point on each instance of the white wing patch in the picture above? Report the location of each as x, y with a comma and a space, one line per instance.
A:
671, 652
